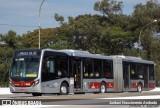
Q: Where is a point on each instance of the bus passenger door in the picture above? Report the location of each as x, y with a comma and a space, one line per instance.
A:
77, 69
126, 76
146, 76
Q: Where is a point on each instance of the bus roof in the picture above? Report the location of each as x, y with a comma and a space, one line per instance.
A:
79, 53
134, 59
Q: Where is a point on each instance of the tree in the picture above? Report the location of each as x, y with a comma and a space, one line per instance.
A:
10, 38
59, 18
115, 28
107, 7
83, 32
143, 15
115, 40
5, 61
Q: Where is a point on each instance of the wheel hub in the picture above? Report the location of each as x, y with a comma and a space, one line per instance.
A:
102, 88
64, 89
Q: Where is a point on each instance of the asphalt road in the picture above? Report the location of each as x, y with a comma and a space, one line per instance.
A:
78, 96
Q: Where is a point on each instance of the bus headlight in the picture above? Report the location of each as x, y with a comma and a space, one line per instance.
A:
36, 83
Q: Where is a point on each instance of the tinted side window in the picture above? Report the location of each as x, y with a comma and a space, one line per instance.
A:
54, 66
133, 71
62, 66
88, 68
51, 66
151, 72
97, 68
108, 69
140, 71
48, 69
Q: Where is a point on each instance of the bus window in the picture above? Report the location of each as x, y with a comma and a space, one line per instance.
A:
97, 67
107, 68
62, 66
50, 66
54, 67
126, 74
133, 71
25, 67
48, 69
151, 72
88, 69
140, 71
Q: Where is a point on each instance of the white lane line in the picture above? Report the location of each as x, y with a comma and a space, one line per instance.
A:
136, 97
30, 106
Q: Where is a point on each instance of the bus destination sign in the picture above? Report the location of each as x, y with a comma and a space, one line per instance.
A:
33, 53
27, 53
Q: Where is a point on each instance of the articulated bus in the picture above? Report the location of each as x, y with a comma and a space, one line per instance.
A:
40, 71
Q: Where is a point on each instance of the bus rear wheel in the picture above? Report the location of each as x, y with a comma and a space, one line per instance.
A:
63, 89
139, 88
103, 87
37, 94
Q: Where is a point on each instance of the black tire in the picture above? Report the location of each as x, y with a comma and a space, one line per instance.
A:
36, 94
102, 88
139, 88
64, 89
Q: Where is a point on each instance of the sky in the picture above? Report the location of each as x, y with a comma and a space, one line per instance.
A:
25, 12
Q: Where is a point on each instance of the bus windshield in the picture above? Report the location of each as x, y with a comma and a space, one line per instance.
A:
25, 67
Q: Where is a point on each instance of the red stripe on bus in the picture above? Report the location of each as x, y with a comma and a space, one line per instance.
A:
151, 85
94, 85
22, 84
134, 85
109, 84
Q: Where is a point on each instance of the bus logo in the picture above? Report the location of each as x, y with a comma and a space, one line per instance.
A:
6, 102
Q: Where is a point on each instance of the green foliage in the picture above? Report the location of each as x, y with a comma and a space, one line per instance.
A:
59, 18
83, 32
5, 61
107, 7
117, 40
142, 16
10, 38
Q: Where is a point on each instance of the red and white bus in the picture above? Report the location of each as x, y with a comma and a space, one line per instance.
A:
40, 71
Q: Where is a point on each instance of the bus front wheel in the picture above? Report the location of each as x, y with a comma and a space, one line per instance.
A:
64, 89
103, 87
37, 94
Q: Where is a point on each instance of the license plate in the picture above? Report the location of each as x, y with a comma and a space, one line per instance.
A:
22, 90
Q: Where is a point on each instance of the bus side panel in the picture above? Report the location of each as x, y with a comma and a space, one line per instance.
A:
93, 85
152, 84
53, 86
118, 74
109, 85
71, 85
134, 84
